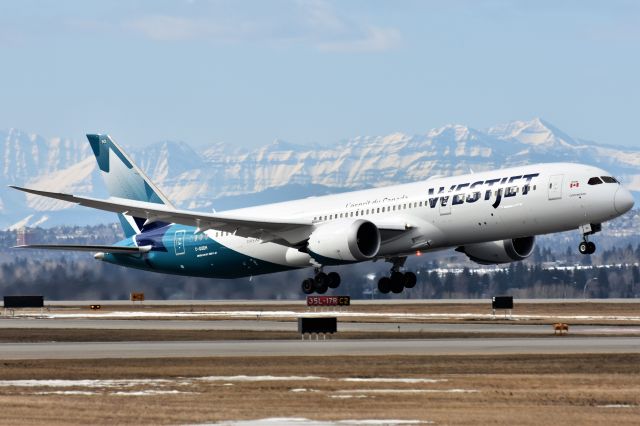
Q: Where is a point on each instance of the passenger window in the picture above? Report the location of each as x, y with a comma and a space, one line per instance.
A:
594, 181
609, 179
420, 203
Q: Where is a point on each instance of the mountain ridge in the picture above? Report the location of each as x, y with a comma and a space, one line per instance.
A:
202, 178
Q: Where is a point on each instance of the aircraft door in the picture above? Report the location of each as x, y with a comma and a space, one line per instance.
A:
555, 187
178, 242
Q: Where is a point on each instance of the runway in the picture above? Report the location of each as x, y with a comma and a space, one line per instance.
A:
269, 325
246, 348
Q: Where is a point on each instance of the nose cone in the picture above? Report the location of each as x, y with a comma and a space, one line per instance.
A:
623, 200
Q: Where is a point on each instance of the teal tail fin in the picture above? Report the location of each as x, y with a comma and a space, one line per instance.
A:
124, 180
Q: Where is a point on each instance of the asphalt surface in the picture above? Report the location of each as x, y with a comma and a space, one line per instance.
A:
302, 302
469, 346
267, 325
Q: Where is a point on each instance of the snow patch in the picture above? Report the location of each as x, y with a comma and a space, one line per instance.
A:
257, 378
618, 406
149, 392
301, 421
67, 393
292, 314
391, 380
84, 383
368, 391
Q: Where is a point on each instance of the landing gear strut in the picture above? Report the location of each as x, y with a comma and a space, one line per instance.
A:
321, 282
397, 281
586, 246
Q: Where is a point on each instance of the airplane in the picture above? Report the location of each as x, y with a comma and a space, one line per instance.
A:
492, 217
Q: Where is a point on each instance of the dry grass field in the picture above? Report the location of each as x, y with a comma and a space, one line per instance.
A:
453, 390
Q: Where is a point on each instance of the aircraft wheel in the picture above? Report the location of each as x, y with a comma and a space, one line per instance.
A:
591, 247
583, 247
384, 285
321, 283
410, 280
333, 279
397, 282
308, 286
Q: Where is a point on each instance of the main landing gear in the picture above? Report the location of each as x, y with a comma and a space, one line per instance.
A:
321, 282
397, 281
586, 246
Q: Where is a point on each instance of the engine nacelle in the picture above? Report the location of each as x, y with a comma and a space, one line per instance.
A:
501, 251
345, 240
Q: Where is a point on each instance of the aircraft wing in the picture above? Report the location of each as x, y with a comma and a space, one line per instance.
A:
93, 248
290, 232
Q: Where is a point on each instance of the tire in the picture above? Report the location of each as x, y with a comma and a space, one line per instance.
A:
410, 280
308, 286
397, 282
583, 247
322, 288
591, 247
384, 285
333, 279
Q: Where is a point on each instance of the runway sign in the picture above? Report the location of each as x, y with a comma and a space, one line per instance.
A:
23, 301
137, 297
321, 325
502, 302
328, 300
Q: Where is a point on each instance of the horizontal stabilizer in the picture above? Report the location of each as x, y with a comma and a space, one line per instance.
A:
289, 230
99, 248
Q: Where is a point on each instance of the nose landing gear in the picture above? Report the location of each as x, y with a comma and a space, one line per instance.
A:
397, 281
586, 246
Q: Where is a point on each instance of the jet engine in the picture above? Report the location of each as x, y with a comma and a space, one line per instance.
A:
501, 251
344, 240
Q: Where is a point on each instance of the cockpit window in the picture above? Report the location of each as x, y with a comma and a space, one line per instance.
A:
609, 179
594, 181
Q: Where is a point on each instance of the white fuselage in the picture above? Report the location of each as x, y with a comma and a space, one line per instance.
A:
450, 211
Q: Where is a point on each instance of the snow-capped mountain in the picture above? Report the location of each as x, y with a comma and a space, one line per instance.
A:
224, 176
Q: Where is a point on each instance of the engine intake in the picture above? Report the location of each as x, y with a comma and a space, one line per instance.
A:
345, 240
501, 251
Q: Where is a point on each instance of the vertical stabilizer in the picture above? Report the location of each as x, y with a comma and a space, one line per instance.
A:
124, 180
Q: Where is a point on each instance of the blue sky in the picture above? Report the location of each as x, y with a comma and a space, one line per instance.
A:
247, 72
